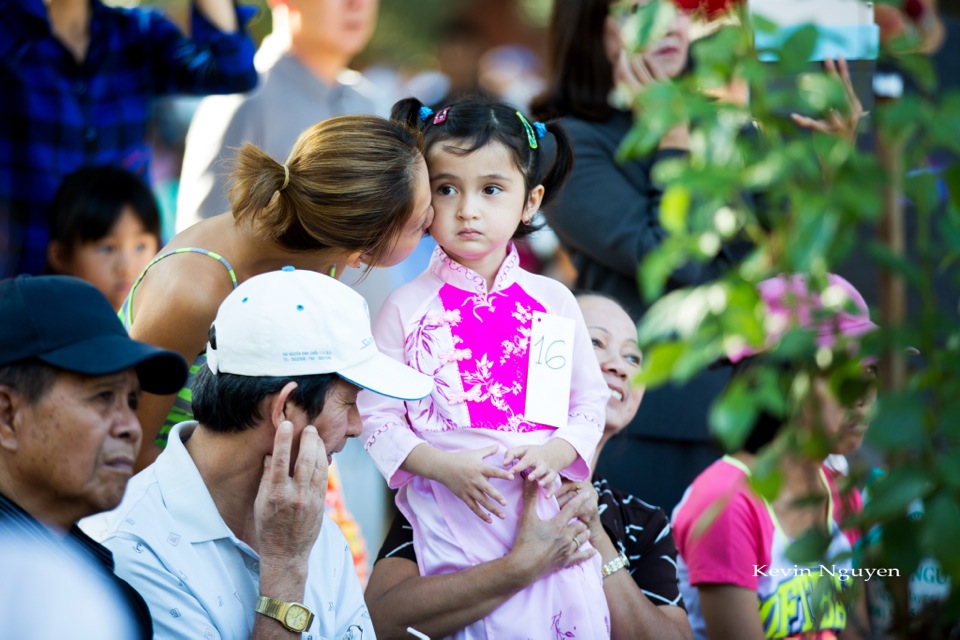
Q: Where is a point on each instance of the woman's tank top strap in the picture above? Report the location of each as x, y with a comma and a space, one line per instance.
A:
126, 309
182, 406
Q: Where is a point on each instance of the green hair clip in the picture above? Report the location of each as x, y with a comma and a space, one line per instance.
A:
531, 134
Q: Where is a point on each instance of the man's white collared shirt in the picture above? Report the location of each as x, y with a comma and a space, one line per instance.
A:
200, 580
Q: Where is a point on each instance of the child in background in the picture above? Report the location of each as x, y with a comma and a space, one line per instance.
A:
473, 322
105, 229
735, 576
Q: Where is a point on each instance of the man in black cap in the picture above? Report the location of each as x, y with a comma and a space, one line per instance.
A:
70, 379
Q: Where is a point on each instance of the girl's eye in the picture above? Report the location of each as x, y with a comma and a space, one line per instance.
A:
106, 249
133, 401
596, 343
633, 359
492, 190
446, 190
105, 396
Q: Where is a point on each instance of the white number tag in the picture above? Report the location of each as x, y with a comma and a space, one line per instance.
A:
549, 369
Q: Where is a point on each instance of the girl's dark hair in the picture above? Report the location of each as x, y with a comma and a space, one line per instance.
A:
91, 199
476, 121
579, 77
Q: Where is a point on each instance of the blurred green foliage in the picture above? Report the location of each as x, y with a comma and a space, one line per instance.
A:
818, 193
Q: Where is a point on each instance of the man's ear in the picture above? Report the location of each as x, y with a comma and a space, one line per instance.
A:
278, 404
11, 404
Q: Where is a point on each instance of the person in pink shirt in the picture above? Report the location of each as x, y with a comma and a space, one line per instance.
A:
735, 576
518, 395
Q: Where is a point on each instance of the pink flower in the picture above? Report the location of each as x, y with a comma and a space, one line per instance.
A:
440, 318
473, 395
456, 355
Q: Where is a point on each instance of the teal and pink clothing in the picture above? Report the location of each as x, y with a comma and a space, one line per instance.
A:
740, 542
474, 343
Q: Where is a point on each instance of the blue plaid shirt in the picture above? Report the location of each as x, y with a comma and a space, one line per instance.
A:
57, 115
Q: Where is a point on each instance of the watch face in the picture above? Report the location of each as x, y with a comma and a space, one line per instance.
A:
297, 617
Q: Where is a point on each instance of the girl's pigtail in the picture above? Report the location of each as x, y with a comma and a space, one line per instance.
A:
411, 112
562, 162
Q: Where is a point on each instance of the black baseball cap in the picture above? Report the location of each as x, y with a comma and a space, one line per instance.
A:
67, 323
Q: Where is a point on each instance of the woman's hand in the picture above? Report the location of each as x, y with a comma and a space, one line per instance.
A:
588, 511
636, 73
632, 74
841, 125
545, 546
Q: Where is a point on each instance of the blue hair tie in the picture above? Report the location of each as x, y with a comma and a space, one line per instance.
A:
424, 113
541, 129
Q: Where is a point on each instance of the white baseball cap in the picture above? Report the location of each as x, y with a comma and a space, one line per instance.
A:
299, 323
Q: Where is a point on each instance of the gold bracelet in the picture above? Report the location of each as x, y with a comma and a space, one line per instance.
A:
614, 565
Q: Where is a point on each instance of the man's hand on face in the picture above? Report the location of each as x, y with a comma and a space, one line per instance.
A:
289, 508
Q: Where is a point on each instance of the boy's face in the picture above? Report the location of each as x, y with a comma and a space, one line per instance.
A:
338, 28
845, 426
112, 263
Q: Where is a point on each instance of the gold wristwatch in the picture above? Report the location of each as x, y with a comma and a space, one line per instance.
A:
292, 615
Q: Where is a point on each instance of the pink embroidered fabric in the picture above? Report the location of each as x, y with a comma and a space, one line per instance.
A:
474, 343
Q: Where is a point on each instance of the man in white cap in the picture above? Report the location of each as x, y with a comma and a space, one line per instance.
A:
222, 534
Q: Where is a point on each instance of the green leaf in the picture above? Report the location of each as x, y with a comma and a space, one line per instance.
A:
674, 209
795, 53
648, 25
766, 478
898, 423
639, 142
948, 469
809, 548
895, 263
899, 543
952, 177
942, 515
658, 363
922, 188
657, 266
733, 415
893, 493
812, 239
820, 92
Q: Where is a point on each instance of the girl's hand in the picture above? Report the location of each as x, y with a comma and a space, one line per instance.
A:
466, 475
841, 125
542, 463
587, 506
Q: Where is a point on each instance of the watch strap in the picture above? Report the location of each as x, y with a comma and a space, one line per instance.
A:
277, 609
270, 607
614, 565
